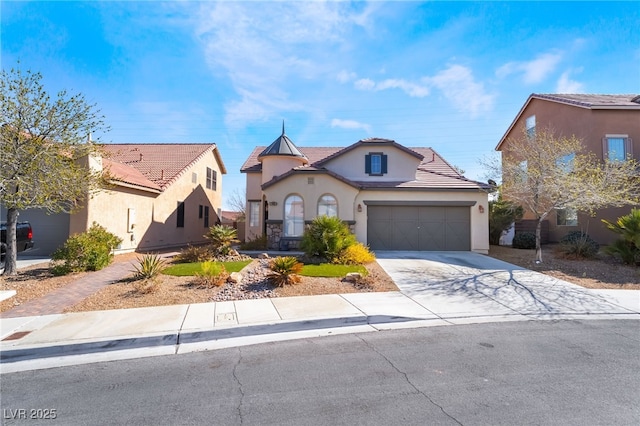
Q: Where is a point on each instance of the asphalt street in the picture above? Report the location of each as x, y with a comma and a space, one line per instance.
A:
524, 373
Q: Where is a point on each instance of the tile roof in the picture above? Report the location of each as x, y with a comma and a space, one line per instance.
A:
592, 100
433, 171
154, 165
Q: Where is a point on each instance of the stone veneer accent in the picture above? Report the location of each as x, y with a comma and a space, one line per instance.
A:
274, 235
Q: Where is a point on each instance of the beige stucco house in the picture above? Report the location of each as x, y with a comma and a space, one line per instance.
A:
392, 197
160, 196
608, 125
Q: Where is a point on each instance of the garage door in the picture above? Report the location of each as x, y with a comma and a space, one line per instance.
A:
418, 228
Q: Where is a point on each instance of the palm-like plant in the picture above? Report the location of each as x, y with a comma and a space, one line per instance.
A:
221, 238
285, 270
149, 266
628, 247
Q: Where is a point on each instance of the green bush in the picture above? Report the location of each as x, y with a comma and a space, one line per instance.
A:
327, 237
87, 251
222, 237
579, 244
356, 254
524, 240
501, 215
627, 248
285, 270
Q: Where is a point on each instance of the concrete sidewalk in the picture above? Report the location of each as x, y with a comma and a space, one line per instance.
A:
62, 339
436, 288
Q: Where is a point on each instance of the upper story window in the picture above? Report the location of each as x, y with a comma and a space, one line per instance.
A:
293, 216
375, 164
616, 147
212, 179
327, 206
530, 126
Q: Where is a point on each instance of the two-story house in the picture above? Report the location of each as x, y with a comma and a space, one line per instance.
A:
159, 196
392, 197
608, 126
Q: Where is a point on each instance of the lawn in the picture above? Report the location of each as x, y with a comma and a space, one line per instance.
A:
191, 269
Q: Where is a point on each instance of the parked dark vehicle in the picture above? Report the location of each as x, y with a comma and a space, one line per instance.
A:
24, 239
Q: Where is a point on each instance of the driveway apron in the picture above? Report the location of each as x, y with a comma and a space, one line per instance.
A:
465, 284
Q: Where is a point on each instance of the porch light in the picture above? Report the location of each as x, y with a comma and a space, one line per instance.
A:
481, 208
359, 208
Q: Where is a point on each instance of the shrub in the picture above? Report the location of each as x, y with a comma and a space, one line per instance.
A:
327, 237
222, 237
284, 270
579, 244
149, 266
213, 274
87, 251
501, 215
193, 254
627, 248
357, 254
524, 240
258, 243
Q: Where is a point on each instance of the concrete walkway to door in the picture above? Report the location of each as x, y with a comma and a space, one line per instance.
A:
457, 285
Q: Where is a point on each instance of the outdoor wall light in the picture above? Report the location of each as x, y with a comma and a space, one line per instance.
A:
481, 208
359, 207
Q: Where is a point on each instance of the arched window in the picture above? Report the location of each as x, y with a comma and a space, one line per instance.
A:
293, 216
327, 206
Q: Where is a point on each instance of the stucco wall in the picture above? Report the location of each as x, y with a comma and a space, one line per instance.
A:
590, 126
311, 193
401, 166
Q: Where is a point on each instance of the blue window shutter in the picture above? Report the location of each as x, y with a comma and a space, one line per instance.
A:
384, 164
367, 163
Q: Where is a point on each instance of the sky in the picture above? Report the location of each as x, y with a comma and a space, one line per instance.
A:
446, 75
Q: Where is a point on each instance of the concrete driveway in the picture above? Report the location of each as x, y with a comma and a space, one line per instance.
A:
466, 284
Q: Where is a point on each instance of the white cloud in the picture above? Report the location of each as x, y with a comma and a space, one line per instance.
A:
462, 90
350, 124
566, 85
345, 76
265, 48
411, 89
533, 71
456, 83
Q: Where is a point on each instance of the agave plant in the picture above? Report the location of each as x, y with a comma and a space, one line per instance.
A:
284, 271
149, 266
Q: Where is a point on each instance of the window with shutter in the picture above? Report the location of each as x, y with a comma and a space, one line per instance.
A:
375, 164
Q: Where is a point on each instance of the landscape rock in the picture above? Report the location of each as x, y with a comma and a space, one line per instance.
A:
235, 277
263, 256
353, 277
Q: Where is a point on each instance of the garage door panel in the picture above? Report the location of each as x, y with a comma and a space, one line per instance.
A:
404, 235
419, 228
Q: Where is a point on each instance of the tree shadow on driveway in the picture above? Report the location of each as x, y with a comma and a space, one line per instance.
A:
488, 285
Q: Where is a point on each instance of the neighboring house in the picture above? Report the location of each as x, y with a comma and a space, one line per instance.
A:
392, 197
160, 196
608, 125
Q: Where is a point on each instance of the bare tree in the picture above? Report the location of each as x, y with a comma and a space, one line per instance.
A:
237, 202
44, 150
544, 172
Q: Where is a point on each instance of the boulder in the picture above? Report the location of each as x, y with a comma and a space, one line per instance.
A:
353, 277
235, 277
